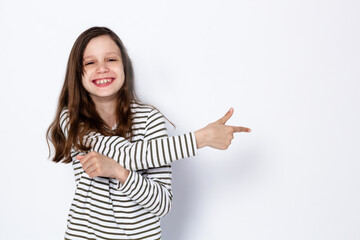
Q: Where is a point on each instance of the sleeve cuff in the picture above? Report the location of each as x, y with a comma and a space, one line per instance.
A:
132, 185
130, 180
193, 143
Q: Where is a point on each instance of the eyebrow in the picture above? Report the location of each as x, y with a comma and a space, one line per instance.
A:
105, 54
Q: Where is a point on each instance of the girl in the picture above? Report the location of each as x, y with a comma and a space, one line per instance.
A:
119, 147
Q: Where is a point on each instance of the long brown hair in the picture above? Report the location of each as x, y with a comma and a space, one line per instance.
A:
81, 109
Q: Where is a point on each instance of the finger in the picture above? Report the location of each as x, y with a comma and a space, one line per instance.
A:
79, 157
240, 129
84, 158
93, 174
86, 165
226, 117
91, 170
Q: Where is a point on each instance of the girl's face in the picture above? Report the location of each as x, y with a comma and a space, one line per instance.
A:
103, 69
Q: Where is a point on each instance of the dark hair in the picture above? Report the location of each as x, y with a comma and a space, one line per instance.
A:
83, 116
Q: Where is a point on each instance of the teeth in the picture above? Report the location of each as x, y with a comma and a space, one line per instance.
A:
102, 81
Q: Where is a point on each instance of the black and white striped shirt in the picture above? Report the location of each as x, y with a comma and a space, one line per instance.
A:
102, 207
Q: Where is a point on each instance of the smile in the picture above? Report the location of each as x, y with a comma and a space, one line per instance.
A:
103, 82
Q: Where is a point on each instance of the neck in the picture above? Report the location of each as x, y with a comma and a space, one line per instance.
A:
107, 111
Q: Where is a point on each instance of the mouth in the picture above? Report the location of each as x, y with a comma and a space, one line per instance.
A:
103, 82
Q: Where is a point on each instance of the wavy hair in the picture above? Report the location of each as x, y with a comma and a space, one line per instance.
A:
83, 117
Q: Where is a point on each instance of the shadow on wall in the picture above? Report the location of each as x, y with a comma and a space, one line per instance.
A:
184, 187
187, 187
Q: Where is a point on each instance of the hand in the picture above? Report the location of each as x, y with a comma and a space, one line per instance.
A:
98, 165
217, 134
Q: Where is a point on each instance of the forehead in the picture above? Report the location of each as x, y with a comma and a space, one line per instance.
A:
101, 45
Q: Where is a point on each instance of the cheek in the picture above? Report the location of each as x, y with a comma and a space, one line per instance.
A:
119, 68
121, 73
85, 81
88, 71
86, 76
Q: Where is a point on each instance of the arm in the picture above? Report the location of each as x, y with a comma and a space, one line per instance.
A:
160, 152
142, 154
149, 153
153, 190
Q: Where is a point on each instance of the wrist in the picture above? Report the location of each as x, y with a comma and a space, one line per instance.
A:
200, 136
122, 174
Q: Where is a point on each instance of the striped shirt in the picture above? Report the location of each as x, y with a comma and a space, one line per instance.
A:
103, 208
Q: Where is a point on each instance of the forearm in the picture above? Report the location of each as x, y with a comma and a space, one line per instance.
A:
142, 154
146, 154
153, 194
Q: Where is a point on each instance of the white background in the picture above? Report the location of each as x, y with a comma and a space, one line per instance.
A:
290, 69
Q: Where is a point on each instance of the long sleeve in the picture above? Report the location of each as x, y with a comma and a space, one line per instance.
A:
103, 208
152, 190
141, 154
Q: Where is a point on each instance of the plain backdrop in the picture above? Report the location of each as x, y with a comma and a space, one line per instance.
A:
289, 68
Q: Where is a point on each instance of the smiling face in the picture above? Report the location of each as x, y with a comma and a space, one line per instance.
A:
103, 74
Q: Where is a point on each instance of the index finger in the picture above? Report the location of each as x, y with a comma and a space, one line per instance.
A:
82, 158
240, 129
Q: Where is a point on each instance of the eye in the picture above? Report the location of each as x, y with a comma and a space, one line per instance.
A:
112, 60
88, 63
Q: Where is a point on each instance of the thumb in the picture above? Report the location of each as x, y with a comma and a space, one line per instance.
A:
226, 117
79, 157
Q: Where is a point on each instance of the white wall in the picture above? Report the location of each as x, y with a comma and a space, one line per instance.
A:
290, 69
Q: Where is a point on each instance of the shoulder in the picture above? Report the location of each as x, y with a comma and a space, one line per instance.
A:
147, 121
64, 120
64, 115
140, 109
64, 111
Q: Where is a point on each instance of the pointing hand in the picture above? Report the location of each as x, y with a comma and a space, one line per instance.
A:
217, 134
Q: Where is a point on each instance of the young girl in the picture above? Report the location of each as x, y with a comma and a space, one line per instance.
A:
119, 147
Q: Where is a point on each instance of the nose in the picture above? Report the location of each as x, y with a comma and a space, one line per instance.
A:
102, 68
